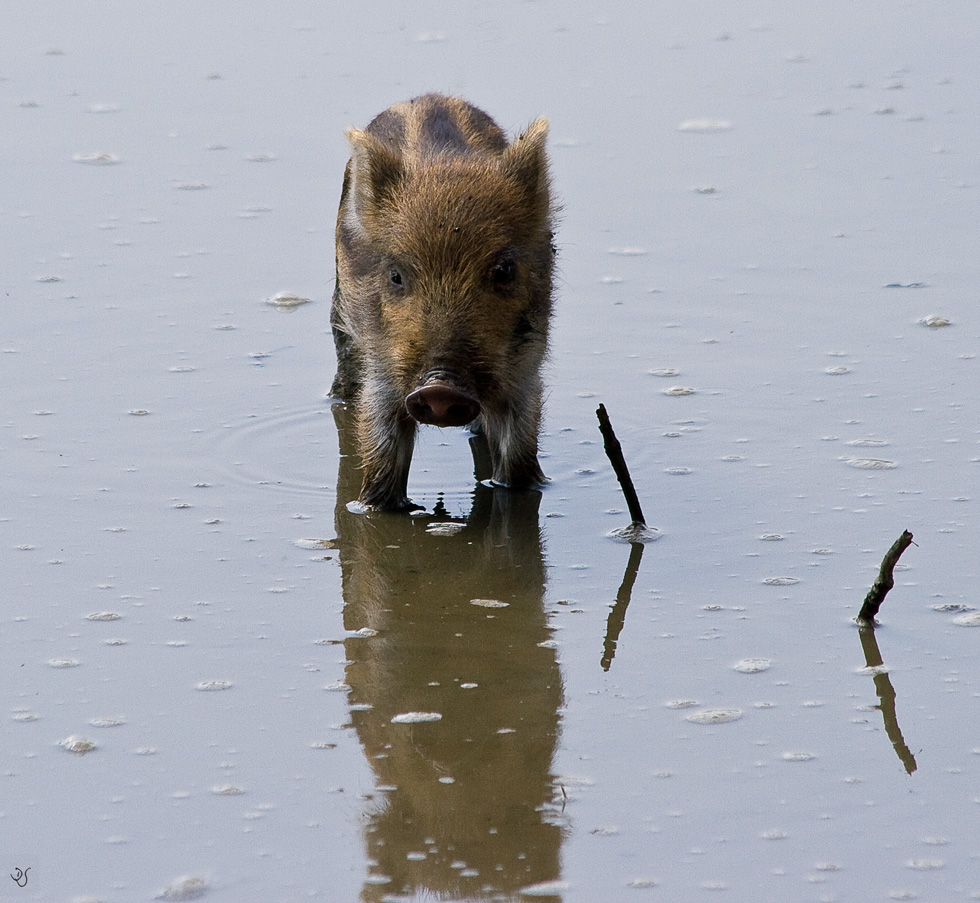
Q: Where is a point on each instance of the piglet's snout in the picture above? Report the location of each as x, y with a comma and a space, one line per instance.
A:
442, 404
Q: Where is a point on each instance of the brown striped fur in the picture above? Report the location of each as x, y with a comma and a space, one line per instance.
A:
444, 272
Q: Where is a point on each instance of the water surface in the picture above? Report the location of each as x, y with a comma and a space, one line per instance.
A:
763, 208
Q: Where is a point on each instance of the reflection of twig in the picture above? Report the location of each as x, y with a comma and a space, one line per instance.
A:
617, 616
614, 452
886, 693
885, 581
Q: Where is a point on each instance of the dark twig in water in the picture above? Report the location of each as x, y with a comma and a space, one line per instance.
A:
614, 451
617, 614
885, 581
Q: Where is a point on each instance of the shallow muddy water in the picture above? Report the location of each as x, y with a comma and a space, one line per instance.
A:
219, 683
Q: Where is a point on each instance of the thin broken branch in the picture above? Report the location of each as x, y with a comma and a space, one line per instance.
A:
614, 451
885, 581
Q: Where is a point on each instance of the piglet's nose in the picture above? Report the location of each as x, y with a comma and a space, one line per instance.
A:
442, 404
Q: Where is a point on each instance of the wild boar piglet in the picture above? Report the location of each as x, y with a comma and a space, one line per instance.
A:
443, 298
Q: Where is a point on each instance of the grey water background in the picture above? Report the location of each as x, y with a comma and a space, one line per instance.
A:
765, 206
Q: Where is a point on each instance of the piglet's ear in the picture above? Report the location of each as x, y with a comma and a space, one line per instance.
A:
377, 169
526, 162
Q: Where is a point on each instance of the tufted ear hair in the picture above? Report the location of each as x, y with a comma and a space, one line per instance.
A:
526, 162
377, 170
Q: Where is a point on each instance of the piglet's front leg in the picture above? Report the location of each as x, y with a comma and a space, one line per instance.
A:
386, 435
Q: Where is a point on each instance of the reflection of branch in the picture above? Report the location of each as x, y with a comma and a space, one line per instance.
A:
886, 693
617, 615
885, 581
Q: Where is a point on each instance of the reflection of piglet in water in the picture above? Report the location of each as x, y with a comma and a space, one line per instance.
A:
443, 297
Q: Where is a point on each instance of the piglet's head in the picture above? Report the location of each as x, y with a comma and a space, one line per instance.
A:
449, 252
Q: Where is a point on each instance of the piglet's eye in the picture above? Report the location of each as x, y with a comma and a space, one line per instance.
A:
504, 272
395, 278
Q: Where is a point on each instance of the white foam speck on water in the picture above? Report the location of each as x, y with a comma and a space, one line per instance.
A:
715, 716
635, 533
705, 126
572, 780
415, 717
774, 834
338, 686
312, 543
25, 717
950, 607
364, 632
870, 463
449, 528
211, 685
97, 159
545, 888
77, 744
752, 665
187, 887
287, 300
872, 670
227, 790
